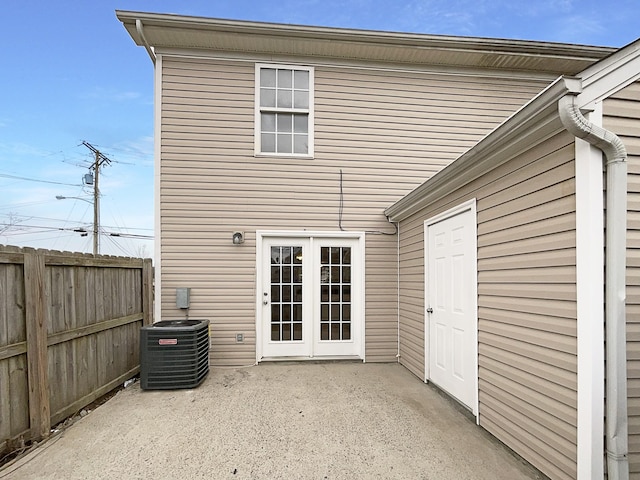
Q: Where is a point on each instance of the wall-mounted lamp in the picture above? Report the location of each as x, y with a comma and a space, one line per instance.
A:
238, 238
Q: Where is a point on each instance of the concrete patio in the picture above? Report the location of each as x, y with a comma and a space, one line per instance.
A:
278, 421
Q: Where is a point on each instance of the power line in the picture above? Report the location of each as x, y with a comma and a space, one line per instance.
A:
73, 229
15, 177
31, 217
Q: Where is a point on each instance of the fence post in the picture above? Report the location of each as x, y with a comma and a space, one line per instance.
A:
147, 291
37, 367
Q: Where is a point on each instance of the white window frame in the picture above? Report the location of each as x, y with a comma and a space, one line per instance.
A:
310, 112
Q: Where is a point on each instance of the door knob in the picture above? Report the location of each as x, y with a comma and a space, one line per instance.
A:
429, 310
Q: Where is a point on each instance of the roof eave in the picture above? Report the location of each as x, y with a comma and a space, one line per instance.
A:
177, 31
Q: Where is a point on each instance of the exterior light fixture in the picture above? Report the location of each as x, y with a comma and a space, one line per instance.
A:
238, 238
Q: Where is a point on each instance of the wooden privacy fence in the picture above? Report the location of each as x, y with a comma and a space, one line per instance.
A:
69, 333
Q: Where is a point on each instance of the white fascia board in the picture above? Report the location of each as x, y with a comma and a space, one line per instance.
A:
531, 124
610, 75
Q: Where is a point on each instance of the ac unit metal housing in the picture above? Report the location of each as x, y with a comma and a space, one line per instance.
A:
174, 354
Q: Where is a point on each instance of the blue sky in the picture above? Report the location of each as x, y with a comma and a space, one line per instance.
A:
70, 72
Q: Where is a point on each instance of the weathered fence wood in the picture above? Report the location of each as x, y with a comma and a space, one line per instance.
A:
34, 284
69, 333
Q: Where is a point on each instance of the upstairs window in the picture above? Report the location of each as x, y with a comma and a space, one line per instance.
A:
284, 106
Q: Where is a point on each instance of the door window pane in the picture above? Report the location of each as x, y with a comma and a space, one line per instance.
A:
335, 293
286, 294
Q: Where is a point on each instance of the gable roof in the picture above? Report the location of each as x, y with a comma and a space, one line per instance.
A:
167, 31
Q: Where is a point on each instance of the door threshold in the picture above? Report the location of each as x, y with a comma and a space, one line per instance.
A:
313, 359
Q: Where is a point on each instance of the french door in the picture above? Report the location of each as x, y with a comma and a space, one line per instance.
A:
311, 297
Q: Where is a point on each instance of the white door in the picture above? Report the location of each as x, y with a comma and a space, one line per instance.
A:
311, 297
451, 315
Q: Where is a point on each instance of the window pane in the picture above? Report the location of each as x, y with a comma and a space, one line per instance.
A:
324, 293
297, 293
268, 122
267, 97
300, 99
324, 255
324, 331
335, 293
268, 77
275, 332
275, 274
275, 294
300, 144
286, 293
335, 331
346, 274
346, 331
284, 99
301, 123
286, 275
285, 123
297, 274
346, 293
335, 274
301, 79
297, 313
275, 255
286, 331
346, 312
285, 78
324, 274
284, 143
297, 254
268, 142
346, 256
297, 331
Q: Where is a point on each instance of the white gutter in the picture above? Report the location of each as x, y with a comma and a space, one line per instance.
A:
615, 286
144, 41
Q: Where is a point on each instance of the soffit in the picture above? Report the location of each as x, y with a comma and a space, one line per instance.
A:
164, 31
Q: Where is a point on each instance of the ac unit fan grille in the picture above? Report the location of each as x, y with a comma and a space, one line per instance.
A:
174, 355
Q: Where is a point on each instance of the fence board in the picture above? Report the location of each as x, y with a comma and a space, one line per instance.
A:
35, 292
69, 333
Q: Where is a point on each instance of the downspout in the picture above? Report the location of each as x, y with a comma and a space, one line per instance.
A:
397, 288
144, 41
615, 285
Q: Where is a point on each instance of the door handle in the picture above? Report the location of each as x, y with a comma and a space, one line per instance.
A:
429, 310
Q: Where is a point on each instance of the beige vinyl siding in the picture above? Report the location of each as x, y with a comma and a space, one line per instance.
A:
386, 130
526, 302
622, 116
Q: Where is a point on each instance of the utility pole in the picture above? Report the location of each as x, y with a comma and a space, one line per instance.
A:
99, 161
